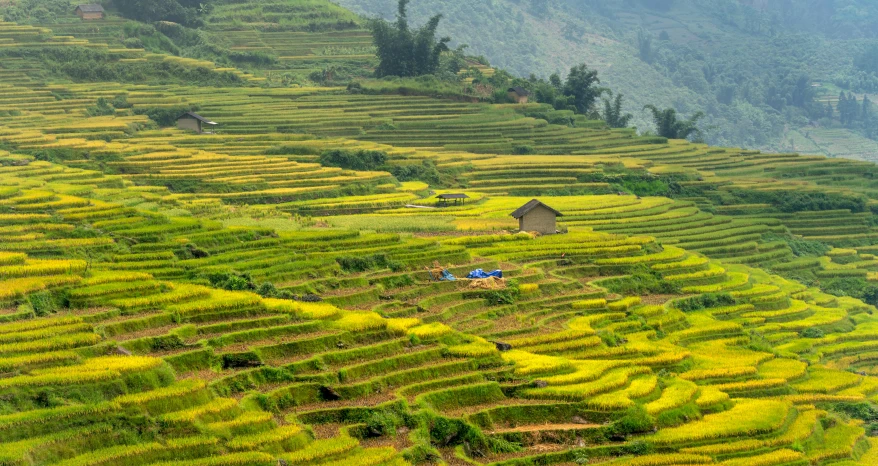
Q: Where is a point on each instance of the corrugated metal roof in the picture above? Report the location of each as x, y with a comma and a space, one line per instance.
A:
197, 117
523, 210
90, 8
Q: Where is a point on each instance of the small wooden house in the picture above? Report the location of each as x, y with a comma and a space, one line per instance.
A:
90, 12
537, 217
519, 94
195, 122
445, 198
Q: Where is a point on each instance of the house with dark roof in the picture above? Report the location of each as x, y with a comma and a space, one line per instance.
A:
90, 12
537, 217
195, 122
519, 94
456, 197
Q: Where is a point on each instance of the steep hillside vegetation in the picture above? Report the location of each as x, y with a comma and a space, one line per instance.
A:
750, 68
271, 294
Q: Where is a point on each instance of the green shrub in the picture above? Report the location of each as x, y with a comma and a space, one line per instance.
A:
801, 201
634, 421
120, 102
44, 303
705, 301
445, 432
232, 281
102, 108
364, 263
133, 43
426, 171
523, 149
855, 287
366, 160
381, 423
799, 246
863, 410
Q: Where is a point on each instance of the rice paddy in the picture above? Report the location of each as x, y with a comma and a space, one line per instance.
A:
169, 298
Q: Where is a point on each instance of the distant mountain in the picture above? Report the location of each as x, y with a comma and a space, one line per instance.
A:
763, 71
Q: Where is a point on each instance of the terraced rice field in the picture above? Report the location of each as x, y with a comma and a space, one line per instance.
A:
170, 299
287, 379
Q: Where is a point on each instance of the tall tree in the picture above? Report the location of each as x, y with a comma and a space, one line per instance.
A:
868, 60
540, 8
671, 126
644, 45
844, 109
613, 112
870, 122
803, 93
406, 52
582, 86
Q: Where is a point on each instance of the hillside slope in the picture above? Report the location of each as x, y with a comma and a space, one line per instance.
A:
248, 298
718, 57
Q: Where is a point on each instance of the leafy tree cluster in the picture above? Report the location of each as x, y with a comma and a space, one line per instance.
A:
799, 246
236, 281
670, 125
856, 115
425, 171
364, 263
580, 91
232, 281
641, 282
373, 160
165, 116
101, 108
582, 88
854, 287
799, 201
364, 160
864, 411
185, 12
613, 113
868, 60
705, 301
406, 52
644, 46
36, 11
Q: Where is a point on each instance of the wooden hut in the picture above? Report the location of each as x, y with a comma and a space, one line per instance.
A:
195, 122
537, 217
90, 12
459, 197
519, 94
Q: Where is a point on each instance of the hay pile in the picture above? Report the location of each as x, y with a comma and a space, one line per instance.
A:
436, 270
490, 283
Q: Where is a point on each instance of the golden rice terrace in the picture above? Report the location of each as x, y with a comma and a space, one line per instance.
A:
169, 298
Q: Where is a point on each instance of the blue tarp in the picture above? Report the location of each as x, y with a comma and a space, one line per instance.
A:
446, 276
479, 273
